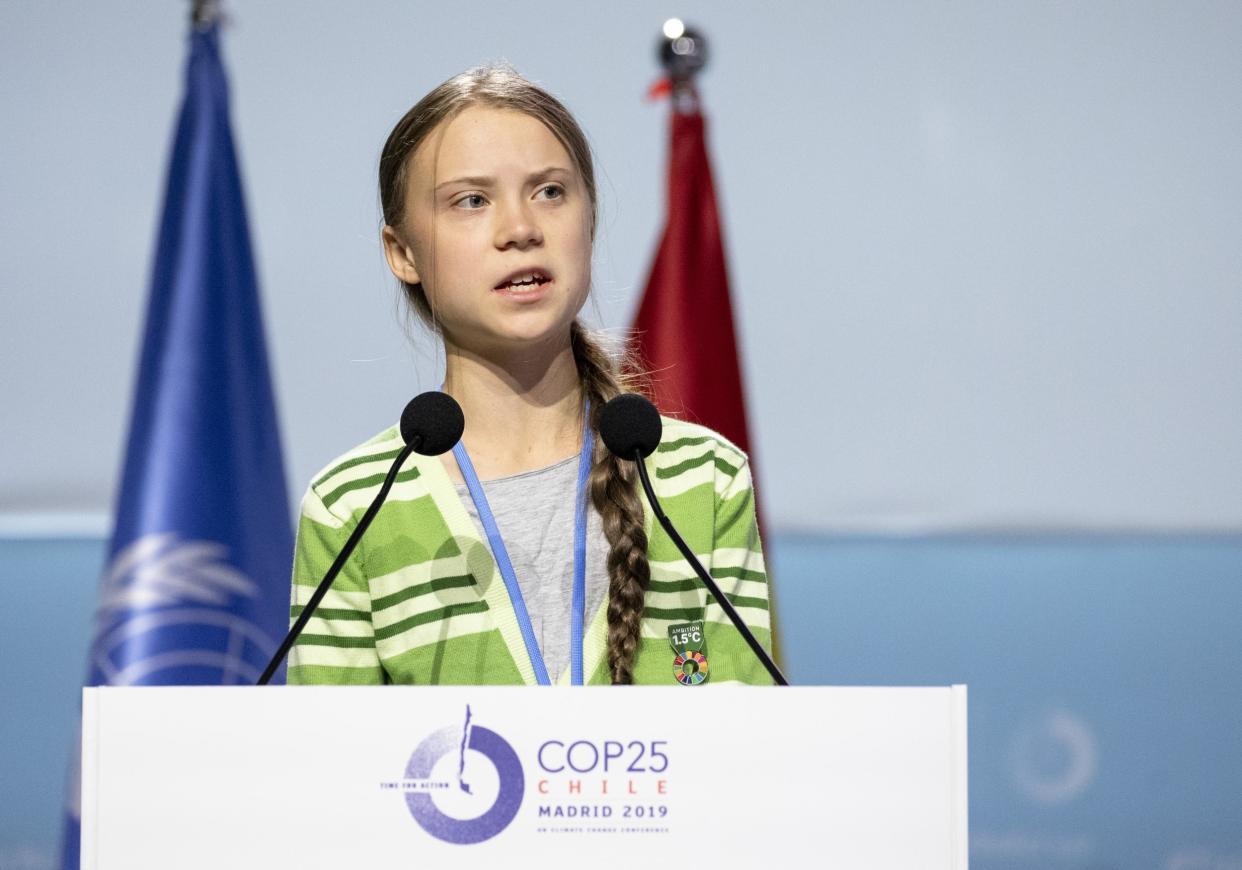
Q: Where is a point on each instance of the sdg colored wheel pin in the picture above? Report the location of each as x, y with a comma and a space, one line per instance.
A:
690, 668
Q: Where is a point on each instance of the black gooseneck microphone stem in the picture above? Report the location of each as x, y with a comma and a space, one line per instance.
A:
341, 558
724, 602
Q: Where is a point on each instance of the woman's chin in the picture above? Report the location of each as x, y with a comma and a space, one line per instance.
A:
527, 333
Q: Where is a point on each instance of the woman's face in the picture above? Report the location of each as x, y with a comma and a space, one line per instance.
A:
492, 197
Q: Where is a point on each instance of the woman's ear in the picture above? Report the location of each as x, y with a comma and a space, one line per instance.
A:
400, 256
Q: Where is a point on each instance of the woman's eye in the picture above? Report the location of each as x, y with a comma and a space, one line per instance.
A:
473, 201
557, 192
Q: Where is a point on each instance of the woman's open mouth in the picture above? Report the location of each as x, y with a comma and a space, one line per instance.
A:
524, 285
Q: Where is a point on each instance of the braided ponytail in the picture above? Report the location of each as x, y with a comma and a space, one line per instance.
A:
612, 486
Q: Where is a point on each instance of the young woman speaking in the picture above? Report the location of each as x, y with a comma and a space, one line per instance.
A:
527, 555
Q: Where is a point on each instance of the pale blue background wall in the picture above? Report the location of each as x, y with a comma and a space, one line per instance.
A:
986, 255
987, 261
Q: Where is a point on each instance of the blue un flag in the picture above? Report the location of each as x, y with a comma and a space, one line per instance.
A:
196, 590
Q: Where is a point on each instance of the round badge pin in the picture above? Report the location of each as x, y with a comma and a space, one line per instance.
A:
690, 668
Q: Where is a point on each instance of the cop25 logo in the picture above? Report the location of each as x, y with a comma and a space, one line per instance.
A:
449, 791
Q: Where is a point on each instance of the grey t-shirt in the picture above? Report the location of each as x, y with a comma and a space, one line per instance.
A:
534, 512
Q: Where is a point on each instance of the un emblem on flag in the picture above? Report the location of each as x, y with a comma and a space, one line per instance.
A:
173, 612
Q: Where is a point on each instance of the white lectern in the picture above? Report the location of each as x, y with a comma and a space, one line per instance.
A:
513, 777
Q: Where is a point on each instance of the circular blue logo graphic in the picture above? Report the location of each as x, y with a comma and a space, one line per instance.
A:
508, 771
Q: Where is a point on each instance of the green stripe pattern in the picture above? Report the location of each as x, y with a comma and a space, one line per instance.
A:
420, 601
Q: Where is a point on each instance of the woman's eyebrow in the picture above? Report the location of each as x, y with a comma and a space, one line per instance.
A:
487, 180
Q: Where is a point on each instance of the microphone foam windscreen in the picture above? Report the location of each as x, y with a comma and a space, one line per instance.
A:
437, 417
628, 423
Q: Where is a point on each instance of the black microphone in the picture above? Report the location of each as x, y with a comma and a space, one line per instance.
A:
630, 428
431, 424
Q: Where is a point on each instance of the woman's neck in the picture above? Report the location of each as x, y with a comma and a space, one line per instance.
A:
523, 411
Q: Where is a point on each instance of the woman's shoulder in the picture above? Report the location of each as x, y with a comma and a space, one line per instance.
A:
678, 434
689, 449
354, 468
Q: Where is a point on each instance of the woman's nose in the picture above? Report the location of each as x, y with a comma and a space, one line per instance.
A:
518, 228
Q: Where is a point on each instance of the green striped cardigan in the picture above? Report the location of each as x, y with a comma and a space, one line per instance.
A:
421, 600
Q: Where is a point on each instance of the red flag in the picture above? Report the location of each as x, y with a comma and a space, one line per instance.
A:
683, 333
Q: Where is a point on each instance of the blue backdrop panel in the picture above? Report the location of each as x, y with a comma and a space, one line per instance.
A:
45, 628
1105, 682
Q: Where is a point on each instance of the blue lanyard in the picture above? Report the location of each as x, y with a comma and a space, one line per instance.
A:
501, 555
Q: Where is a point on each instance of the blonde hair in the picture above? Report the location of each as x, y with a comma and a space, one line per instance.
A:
612, 482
